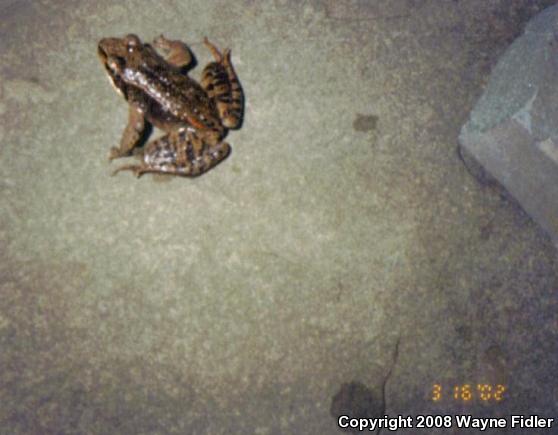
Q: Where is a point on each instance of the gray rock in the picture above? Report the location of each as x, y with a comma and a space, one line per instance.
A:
513, 129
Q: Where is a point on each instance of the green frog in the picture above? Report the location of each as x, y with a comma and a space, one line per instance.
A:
195, 116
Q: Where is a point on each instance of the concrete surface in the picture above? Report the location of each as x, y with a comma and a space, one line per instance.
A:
513, 130
269, 294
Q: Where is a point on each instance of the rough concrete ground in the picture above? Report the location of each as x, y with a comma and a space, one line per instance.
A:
270, 293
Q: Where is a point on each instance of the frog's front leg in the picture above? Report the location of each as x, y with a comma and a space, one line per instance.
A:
177, 53
181, 153
132, 134
221, 84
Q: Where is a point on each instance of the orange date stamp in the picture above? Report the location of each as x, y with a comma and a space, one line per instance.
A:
465, 393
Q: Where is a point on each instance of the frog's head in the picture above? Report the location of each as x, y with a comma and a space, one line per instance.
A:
117, 54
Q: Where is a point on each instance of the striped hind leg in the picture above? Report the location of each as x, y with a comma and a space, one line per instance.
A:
221, 84
179, 153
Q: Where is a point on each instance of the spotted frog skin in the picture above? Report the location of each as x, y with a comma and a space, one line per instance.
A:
195, 116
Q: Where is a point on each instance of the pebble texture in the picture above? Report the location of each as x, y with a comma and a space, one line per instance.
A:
271, 293
513, 130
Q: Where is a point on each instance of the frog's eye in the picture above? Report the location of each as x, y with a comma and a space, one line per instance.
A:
132, 41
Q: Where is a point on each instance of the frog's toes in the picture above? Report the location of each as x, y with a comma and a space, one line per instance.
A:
114, 153
138, 170
227, 58
161, 42
214, 50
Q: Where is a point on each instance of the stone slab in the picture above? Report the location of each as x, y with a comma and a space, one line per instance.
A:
513, 130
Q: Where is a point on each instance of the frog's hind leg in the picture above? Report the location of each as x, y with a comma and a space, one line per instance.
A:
221, 84
177, 53
179, 153
132, 135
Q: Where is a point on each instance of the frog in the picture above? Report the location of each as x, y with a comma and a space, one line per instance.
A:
194, 116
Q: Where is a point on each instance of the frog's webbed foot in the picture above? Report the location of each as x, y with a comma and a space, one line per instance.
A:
177, 53
214, 50
222, 58
132, 134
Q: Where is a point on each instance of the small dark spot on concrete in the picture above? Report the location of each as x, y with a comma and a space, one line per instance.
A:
365, 122
356, 400
486, 231
465, 332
